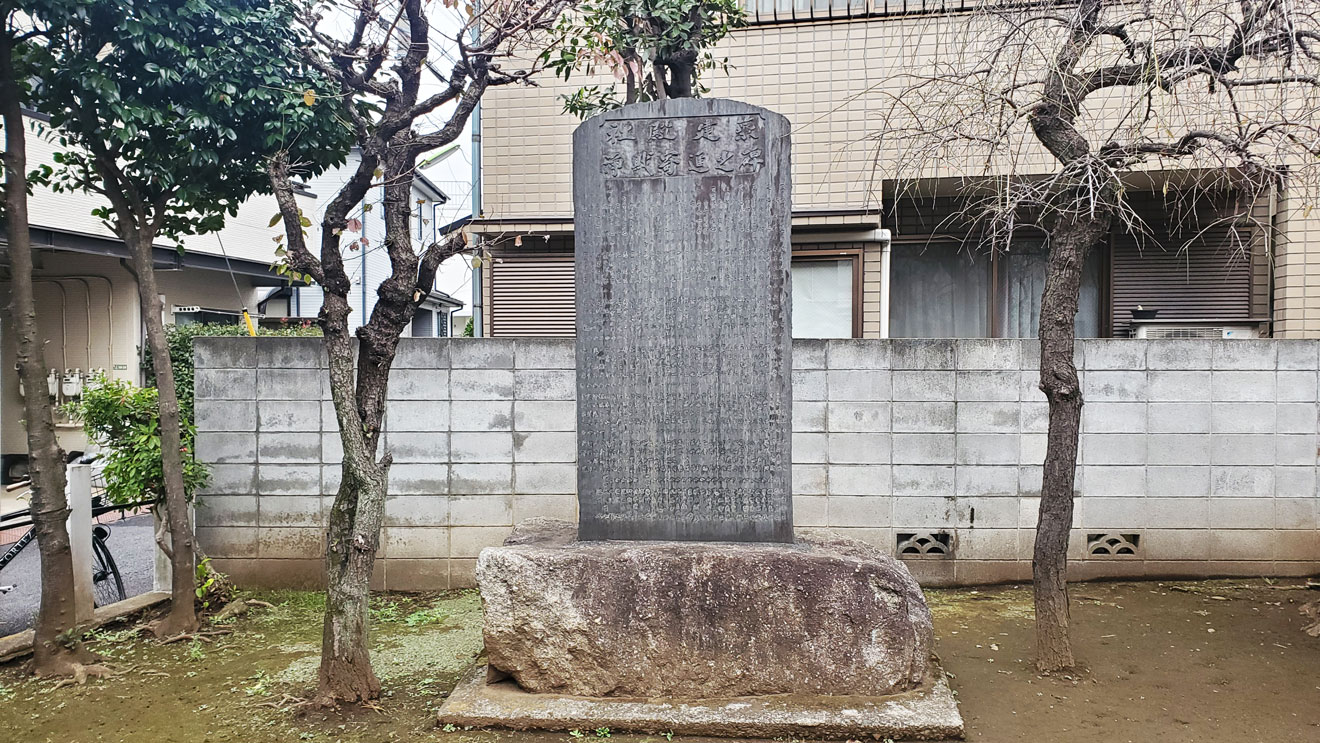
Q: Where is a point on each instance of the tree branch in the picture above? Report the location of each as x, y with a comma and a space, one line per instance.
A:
299, 257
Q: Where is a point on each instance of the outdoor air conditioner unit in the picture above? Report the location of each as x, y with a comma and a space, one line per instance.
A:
1154, 331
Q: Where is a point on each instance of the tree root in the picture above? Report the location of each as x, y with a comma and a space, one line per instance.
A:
319, 702
83, 672
1311, 611
285, 702
238, 608
168, 626
207, 636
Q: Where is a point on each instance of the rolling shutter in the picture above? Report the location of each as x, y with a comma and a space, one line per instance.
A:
532, 296
1210, 280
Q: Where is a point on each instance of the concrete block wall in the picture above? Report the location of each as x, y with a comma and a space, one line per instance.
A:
1197, 457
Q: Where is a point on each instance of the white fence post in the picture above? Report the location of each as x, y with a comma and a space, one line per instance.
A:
79, 494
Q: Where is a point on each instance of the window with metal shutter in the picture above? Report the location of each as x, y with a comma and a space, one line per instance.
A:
423, 323
532, 295
1210, 279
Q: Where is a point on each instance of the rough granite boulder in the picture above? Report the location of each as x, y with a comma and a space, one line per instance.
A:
700, 620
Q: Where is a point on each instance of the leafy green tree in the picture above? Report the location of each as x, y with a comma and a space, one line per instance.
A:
656, 48
124, 420
27, 27
170, 109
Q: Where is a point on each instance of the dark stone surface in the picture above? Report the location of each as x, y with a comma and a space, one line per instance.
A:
681, 212
683, 621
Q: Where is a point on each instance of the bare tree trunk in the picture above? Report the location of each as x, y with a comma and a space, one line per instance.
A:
389, 148
355, 521
49, 507
1070, 240
682, 73
658, 75
353, 537
183, 614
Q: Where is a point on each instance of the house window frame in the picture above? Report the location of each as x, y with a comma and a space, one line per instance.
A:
440, 320
853, 254
993, 268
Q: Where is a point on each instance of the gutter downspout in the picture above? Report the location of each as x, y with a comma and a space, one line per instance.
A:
383, 236
477, 309
478, 329
87, 294
1269, 251
885, 238
64, 322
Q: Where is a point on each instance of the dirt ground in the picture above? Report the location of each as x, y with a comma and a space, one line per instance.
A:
1170, 662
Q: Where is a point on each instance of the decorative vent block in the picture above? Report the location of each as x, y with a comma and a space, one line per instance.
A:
1113, 545
925, 544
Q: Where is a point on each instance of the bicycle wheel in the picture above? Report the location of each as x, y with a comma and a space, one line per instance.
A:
107, 585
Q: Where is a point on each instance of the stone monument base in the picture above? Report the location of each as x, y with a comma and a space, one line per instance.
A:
827, 636
927, 713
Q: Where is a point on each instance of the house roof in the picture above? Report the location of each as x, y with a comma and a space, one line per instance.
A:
259, 272
246, 244
441, 298
64, 221
428, 187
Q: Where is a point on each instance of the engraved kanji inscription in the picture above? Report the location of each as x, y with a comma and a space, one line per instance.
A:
747, 130
677, 146
619, 131
663, 130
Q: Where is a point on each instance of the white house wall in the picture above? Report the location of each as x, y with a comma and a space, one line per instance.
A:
116, 325
367, 266
245, 236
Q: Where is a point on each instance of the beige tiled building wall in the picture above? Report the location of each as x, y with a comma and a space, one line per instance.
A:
833, 80
1297, 269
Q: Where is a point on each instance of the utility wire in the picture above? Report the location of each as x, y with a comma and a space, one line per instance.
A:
237, 293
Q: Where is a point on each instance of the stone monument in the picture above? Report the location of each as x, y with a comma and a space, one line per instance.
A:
681, 217
682, 600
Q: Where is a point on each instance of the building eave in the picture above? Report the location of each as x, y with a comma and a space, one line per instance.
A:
804, 220
441, 298
44, 238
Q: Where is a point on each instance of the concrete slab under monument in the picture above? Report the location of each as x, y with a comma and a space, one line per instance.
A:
688, 606
826, 637
928, 713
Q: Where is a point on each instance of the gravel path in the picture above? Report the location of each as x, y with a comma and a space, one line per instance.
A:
130, 544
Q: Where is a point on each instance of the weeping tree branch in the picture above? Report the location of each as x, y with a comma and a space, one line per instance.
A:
1044, 118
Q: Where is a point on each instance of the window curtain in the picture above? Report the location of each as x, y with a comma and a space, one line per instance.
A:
823, 299
938, 290
1021, 281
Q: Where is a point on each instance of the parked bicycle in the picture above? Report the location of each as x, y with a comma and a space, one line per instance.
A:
107, 583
